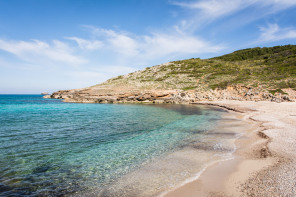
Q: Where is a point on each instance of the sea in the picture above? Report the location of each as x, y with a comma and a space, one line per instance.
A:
52, 148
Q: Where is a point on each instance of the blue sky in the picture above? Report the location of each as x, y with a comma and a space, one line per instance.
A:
49, 45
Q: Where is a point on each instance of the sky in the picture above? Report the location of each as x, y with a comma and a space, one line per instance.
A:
50, 45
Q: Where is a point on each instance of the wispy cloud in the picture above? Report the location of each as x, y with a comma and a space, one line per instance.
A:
39, 51
87, 44
118, 42
159, 45
106, 53
208, 11
273, 33
153, 46
277, 5
218, 8
212, 9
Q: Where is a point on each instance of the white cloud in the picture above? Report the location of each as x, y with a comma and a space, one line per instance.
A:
157, 45
211, 10
119, 42
39, 51
87, 44
107, 54
273, 33
278, 4
124, 44
216, 8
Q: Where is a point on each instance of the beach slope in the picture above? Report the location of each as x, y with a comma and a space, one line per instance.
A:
265, 162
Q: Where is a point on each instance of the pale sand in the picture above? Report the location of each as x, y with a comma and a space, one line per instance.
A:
265, 161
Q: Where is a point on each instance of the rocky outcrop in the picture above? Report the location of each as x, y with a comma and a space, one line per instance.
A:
242, 93
47, 96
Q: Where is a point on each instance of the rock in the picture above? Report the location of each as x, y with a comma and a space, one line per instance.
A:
158, 101
105, 95
286, 98
146, 101
275, 99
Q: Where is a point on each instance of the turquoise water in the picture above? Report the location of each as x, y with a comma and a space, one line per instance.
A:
51, 148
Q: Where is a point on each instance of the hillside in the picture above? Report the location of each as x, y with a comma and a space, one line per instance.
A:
267, 73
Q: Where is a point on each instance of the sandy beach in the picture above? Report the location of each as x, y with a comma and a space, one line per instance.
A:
264, 163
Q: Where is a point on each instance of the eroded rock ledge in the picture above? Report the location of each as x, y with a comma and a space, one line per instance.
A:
242, 93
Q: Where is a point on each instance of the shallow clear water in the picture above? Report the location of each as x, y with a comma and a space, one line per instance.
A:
51, 148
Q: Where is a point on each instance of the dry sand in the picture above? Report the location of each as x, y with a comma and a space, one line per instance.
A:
265, 161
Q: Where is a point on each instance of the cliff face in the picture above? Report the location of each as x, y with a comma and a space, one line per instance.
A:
251, 74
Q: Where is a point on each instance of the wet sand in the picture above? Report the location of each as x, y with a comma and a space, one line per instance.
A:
185, 164
265, 161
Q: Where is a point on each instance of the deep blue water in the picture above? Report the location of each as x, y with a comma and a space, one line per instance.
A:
51, 148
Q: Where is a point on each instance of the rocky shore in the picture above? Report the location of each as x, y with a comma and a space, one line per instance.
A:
240, 93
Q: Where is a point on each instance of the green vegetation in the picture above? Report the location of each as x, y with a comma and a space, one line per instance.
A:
119, 77
260, 53
272, 68
189, 88
277, 91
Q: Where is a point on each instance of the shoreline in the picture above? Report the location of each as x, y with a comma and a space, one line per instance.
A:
193, 185
184, 164
248, 174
